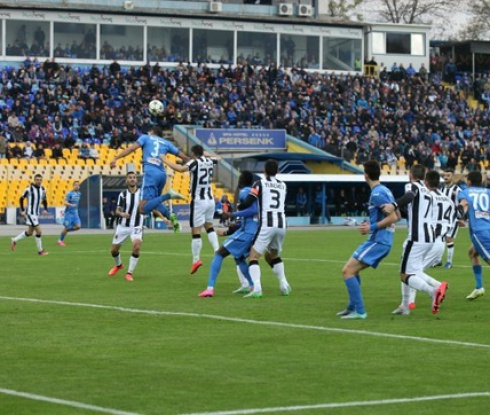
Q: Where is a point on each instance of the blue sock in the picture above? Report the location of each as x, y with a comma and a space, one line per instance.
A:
244, 268
355, 295
155, 202
163, 209
62, 236
215, 269
477, 271
351, 305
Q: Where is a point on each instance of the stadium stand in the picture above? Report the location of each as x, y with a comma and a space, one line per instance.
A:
397, 118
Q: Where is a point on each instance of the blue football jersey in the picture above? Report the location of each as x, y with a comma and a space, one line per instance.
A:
249, 224
380, 195
478, 199
73, 198
153, 147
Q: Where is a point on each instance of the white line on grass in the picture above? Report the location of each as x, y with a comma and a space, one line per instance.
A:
345, 404
321, 260
63, 402
248, 321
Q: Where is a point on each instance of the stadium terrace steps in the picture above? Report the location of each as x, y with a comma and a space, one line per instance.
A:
59, 175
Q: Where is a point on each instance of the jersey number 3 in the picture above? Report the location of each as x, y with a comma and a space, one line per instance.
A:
274, 199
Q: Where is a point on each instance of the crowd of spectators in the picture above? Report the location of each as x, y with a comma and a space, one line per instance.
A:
403, 113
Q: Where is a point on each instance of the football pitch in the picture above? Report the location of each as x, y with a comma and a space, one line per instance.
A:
76, 341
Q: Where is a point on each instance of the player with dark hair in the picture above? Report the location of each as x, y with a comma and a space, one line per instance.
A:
238, 243
475, 202
154, 148
381, 230
35, 194
451, 189
419, 202
129, 225
201, 168
270, 193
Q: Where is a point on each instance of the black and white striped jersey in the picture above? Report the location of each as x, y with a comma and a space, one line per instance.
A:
201, 170
451, 191
271, 194
35, 196
444, 213
128, 202
420, 213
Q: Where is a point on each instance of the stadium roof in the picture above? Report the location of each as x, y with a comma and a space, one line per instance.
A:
474, 46
234, 12
305, 157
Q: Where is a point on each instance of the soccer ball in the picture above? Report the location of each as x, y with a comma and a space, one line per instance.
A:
155, 107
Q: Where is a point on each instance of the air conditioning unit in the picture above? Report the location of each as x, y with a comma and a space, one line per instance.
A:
285, 9
215, 7
304, 10
128, 5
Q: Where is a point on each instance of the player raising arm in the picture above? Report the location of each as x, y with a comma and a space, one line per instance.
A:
154, 148
201, 168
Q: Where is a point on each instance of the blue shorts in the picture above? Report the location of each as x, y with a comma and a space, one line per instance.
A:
153, 184
239, 244
371, 253
71, 220
481, 242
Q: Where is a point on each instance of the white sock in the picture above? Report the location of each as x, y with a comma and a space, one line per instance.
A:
132, 263
254, 270
213, 239
278, 270
118, 259
418, 283
20, 236
412, 296
241, 277
39, 244
196, 246
405, 295
450, 253
431, 281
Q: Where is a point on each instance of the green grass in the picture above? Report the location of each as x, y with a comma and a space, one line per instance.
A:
183, 363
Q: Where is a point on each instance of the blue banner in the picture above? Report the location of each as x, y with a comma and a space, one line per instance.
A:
230, 140
183, 212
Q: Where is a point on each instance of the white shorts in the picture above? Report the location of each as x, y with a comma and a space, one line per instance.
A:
123, 232
413, 256
32, 220
269, 238
202, 211
435, 254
